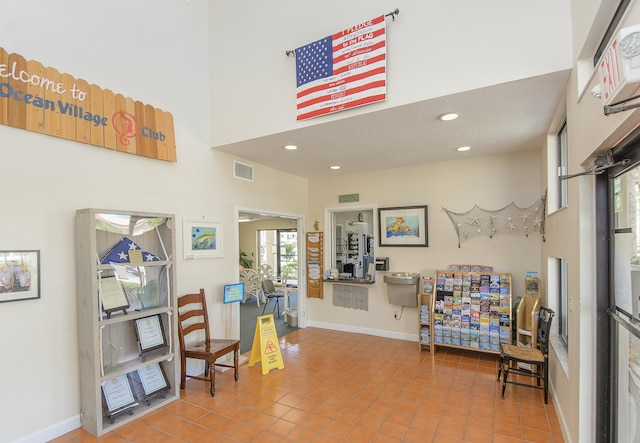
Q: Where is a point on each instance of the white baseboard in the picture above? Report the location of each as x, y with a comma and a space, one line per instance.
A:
53, 431
368, 331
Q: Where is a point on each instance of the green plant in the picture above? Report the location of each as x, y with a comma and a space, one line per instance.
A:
245, 261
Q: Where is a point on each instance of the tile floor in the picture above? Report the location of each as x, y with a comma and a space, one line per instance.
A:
344, 387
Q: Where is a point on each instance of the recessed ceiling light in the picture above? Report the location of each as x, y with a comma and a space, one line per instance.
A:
449, 116
291, 147
334, 167
463, 148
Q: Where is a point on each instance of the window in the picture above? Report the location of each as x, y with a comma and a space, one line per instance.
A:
557, 166
278, 249
562, 166
352, 242
613, 24
558, 289
563, 299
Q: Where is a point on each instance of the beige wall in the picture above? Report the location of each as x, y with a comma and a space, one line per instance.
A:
571, 231
424, 47
160, 60
489, 182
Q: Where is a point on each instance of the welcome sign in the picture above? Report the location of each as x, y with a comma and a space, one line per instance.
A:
40, 99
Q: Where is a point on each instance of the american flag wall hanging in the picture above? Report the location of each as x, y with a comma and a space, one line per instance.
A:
342, 71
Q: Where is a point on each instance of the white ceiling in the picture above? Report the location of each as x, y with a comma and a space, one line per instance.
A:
498, 119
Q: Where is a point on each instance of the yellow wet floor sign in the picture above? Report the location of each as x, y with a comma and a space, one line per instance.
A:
266, 347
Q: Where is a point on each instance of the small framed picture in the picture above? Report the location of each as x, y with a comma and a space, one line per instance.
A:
150, 333
19, 275
403, 226
202, 238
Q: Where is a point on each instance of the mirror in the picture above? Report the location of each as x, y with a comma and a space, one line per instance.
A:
352, 242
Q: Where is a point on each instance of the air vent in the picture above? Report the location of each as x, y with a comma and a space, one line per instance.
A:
242, 171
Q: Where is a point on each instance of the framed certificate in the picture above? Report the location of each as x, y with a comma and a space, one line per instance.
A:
153, 379
112, 296
118, 394
150, 333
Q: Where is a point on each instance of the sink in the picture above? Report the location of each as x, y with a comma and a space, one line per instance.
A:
402, 278
403, 288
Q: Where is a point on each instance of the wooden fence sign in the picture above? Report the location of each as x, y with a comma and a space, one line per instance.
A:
40, 99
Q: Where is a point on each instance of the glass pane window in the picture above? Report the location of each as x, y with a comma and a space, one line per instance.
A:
562, 166
628, 389
626, 216
563, 305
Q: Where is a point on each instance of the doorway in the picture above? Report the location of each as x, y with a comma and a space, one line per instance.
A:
269, 238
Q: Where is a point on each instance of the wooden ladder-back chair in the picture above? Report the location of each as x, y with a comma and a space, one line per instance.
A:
193, 319
529, 362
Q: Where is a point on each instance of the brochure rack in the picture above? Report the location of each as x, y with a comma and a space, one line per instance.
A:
126, 315
425, 304
315, 271
472, 310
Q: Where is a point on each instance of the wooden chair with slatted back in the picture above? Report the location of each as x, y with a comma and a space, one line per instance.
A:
529, 362
196, 342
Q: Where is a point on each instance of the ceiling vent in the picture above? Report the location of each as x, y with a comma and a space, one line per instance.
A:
242, 171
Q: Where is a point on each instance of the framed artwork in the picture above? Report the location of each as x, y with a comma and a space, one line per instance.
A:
201, 238
403, 226
19, 275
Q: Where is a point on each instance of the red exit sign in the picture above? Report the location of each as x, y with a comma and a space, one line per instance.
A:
619, 73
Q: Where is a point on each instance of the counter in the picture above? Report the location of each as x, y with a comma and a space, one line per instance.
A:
356, 281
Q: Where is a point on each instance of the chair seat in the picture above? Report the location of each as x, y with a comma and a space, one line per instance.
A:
525, 355
271, 293
212, 349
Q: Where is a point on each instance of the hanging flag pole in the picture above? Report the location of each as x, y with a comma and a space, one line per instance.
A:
391, 14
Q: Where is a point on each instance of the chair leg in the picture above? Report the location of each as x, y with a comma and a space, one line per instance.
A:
236, 359
505, 374
500, 362
212, 378
546, 382
264, 307
183, 372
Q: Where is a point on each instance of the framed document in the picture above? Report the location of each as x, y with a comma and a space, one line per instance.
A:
118, 394
112, 295
153, 379
150, 333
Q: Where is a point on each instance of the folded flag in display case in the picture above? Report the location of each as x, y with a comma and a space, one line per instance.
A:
120, 253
